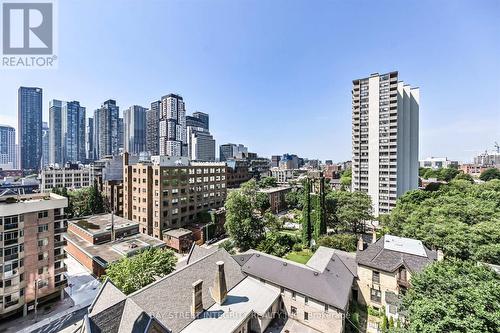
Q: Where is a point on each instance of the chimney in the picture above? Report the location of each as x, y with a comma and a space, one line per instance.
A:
361, 246
440, 255
219, 291
374, 235
197, 302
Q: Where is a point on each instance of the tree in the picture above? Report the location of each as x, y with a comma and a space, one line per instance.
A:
278, 244
272, 222
267, 181
464, 176
461, 218
244, 223
294, 199
133, 273
306, 215
344, 242
346, 178
447, 174
489, 174
348, 211
454, 296
227, 245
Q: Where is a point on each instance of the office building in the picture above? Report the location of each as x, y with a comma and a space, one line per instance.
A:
201, 144
30, 128
121, 135
31, 251
67, 132
173, 132
438, 163
46, 144
168, 192
289, 161
275, 161
7, 147
134, 129
384, 139
106, 130
488, 159
152, 129
89, 140
283, 176
231, 150
70, 176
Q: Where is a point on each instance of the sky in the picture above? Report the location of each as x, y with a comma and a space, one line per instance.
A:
276, 75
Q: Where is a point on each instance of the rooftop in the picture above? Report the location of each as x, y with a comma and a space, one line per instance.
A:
275, 189
247, 297
29, 203
112, 251
177, 233
390, 252
102, 223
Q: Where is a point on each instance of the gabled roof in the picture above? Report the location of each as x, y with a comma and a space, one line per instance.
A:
323, 255
163, 305
332, 285
390, 252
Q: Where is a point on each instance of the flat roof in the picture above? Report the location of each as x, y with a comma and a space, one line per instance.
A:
275, 189
247, 297
112, 251
179, 232
100, 223
405, 245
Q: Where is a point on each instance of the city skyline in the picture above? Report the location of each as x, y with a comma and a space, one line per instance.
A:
268, 85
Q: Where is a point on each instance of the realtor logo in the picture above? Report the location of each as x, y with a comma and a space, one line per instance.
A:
28, 34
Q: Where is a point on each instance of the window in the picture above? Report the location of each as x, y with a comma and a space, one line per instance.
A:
306, 316
326, 307
375, 295
43, 214
376, 277
293, 295
293, 311
306, 300
43, 228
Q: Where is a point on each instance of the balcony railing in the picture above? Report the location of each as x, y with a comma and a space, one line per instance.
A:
60, 230
61, 283
60, 243
60, 256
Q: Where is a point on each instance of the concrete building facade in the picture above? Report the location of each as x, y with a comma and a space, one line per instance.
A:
31, 250
106, 130
134, 129
7, 147
172, 128
385, 117
68, 176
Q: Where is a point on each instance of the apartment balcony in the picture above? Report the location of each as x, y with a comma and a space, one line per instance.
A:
60, 243
61, 283
60, 230
60, 256
61, 269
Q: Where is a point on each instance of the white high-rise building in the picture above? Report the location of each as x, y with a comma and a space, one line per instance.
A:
384, 139
7, 147
173, 134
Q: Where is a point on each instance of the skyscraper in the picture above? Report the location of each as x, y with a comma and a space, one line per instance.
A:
89, 140
152, 131
173, 135
201, 145
232, 150
45, 142
134, 129
384, 138
30, 127
67, 132
7, 147
106, 129
121, 131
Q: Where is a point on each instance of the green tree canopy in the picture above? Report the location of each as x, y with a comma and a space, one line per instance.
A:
489, 174
344, 242
464, 176
268, 181
278, 244
348, 211
346, 178
461, 218
133, 273
244, 222
454, 296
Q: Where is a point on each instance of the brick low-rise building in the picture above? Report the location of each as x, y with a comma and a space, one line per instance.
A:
31, 250
99, 240
167, 192
276, 196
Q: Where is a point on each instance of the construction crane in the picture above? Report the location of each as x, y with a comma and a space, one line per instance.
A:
497, 147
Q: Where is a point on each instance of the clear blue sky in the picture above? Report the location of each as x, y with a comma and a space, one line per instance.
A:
276, 75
